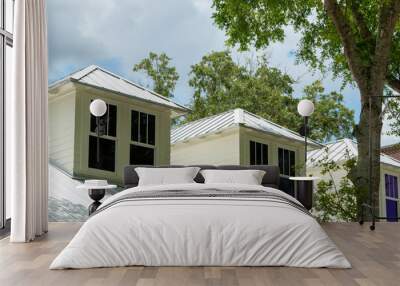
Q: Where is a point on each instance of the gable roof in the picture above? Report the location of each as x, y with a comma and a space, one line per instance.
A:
341, 150
98, 77
235, 117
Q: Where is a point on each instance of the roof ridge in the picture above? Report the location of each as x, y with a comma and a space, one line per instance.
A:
70, 75
199, 120
135, 84
279, 126
340, 140
92, 68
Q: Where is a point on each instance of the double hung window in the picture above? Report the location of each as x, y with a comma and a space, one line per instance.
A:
143, 138
103, 136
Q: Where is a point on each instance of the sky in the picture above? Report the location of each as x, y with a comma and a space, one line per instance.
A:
117, 34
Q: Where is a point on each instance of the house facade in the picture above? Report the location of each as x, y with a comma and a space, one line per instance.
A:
238, 137
134, 130
340, 151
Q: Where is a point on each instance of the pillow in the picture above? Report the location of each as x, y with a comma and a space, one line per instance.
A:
247, 177
166, 176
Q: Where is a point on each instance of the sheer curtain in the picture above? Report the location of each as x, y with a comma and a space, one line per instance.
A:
26, 124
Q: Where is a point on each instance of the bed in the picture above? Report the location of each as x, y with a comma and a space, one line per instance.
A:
198, 224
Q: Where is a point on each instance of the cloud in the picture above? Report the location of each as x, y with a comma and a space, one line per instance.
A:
125, 31
118, 34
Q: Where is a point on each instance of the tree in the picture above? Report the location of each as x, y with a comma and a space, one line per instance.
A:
335, 201
158, 68
392, 113
220, 84
358, 40
331, 118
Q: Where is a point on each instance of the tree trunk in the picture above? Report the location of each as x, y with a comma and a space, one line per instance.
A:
361, 176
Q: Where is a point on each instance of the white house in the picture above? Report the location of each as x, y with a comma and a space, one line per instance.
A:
136, 127
239, 137
340, 151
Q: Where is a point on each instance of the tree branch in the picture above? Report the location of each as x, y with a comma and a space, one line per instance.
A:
394, 84
350, 49
358, 17
388, 17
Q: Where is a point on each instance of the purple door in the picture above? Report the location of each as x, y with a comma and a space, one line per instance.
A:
392, 196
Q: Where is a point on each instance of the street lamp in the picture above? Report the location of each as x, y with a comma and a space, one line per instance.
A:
98, 108
305, 108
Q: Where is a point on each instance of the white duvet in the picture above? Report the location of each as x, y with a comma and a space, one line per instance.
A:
200, 231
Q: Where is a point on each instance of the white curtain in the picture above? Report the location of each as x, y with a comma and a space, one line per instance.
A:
26, 123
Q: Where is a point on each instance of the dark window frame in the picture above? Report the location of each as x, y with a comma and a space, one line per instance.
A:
139, 137
6, 40
131, 156
138, 142
287, 168
104, 137
91, 153
107, 121
256, 148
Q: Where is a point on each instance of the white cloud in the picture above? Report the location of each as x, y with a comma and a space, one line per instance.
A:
117, 34
120, 33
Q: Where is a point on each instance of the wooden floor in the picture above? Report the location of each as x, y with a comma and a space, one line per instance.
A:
375, 257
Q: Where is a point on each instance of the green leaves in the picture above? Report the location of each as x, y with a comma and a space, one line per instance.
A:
158, 68
336, 200
220, 84
331, 119
258, 23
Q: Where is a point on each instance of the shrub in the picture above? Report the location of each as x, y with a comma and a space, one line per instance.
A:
335, 201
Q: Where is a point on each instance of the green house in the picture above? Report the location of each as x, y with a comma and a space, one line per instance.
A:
134, 130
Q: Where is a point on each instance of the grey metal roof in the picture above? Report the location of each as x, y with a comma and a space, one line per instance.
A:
342, 150
100, 78
229, 119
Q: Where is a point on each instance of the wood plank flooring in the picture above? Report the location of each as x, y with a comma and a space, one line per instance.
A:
375, 257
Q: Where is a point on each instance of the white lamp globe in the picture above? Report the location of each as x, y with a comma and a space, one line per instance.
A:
305, 107
98, 107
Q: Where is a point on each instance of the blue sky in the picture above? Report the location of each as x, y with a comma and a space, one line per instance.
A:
117, 34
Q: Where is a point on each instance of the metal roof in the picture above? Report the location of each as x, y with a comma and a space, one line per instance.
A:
97, 77
342, 150
222, 121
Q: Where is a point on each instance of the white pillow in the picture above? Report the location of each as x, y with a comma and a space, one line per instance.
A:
166, 176
247, 177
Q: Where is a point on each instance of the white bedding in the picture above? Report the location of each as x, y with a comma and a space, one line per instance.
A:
200, 231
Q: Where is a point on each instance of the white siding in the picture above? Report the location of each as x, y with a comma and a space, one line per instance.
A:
231, 147
62, 131
218, 149
273, 142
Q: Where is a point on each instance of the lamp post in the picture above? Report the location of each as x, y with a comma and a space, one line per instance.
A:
305, 108
98, 108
